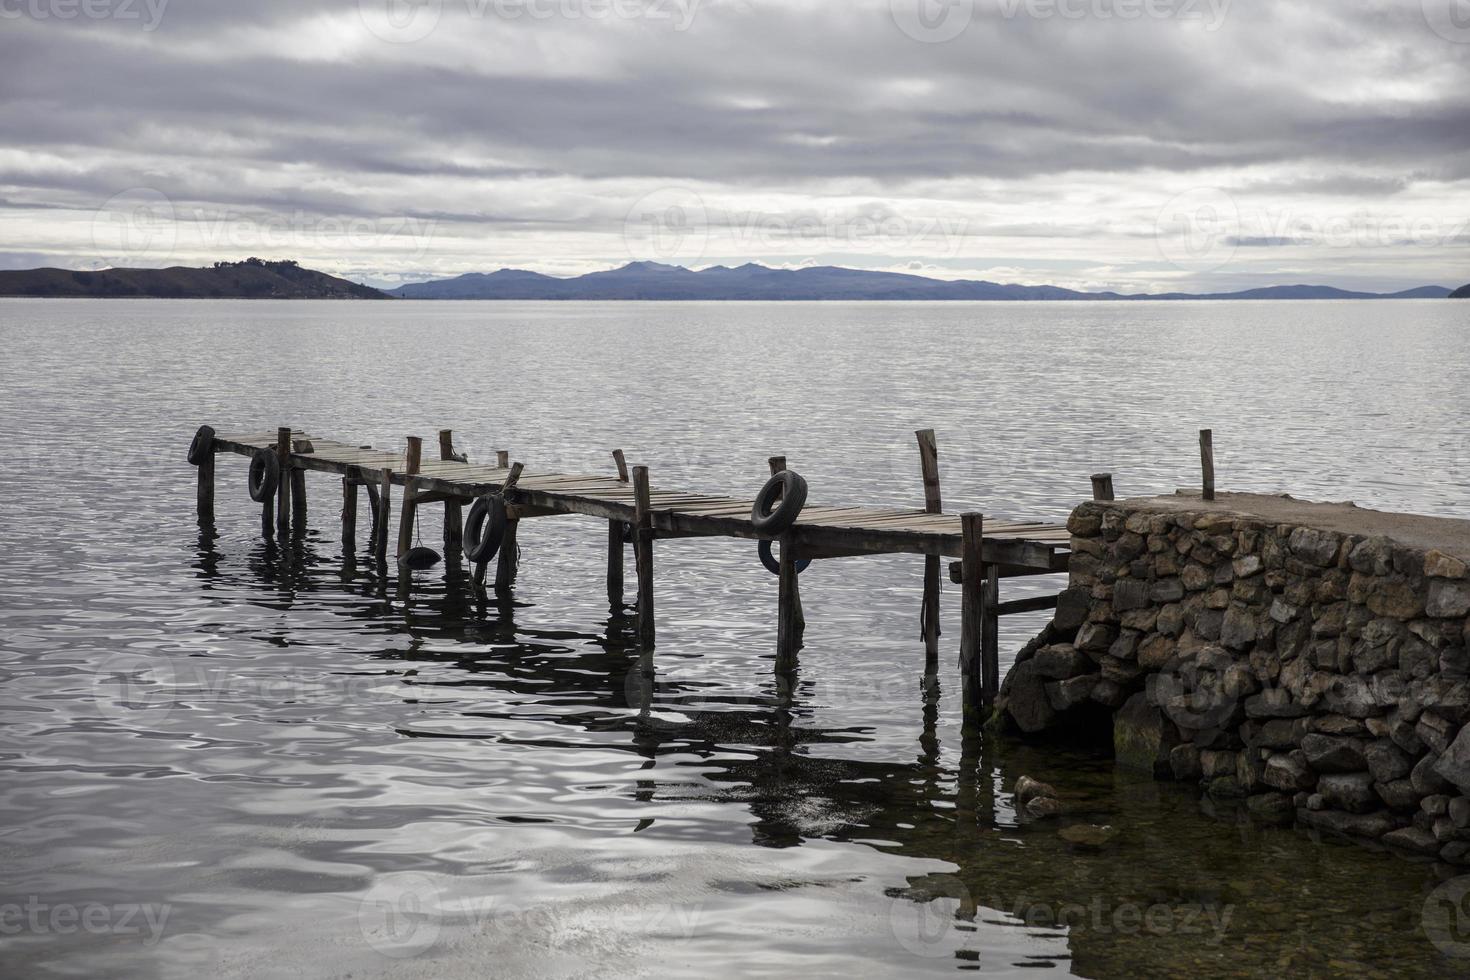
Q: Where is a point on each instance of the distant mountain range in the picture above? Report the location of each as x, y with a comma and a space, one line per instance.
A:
653, 281
260, 279
1462, 293
251, 279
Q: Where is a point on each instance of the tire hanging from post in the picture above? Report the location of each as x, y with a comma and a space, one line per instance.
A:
265, 474
485, 527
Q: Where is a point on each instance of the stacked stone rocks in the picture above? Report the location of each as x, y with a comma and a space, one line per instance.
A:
1320, 676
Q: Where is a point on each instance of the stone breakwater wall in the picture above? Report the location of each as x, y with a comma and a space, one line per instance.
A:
1317, 673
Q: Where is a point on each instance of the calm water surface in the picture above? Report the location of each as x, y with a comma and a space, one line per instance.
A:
220, 757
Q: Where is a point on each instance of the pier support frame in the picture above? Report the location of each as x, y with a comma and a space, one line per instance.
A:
929, 614
643, 554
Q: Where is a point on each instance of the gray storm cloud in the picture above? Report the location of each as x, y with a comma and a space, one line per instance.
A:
1047, 136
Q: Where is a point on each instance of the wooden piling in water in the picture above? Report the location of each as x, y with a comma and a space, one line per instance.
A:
412, 462
643, 554
990, 637
349, 515
789, 622
972, 606
298, 500
204, 497
508, 564
615, 533
385, 513
453, 514
788, 592
929, 613
283, 483
1207, 462
1102, 486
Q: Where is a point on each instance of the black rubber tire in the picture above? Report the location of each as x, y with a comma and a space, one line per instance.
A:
203, 445
768, 559
484, 528
791, 489
265, 474
419, 559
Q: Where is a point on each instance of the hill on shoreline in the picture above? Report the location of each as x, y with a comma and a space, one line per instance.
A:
1462, 293
250, 279
653, 281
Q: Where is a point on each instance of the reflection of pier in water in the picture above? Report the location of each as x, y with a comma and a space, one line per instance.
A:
1183, 887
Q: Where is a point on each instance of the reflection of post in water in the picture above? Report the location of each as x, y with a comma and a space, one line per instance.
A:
208, 556
405, 587
972, 804
929, 740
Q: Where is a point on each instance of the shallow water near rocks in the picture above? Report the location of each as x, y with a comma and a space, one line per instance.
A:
225, 757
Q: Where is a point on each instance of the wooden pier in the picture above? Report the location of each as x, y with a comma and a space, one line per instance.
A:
640, 513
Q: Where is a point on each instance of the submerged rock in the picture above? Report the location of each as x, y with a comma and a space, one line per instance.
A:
1028, 789
1088, 835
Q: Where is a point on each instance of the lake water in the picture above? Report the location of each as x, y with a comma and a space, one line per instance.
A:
224, 758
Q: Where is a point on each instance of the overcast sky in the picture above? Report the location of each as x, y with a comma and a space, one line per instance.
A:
1131, 144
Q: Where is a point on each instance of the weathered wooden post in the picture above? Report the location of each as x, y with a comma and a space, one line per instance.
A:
643, 553
412, 462
789, 624
990, 635
298, 499
283, 484
615, 530
205, 495
385, 512
509, 561
1207, 461
502, 461
972, 609
929, 613
788, 592
453, 515
1102, 486
349, 514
